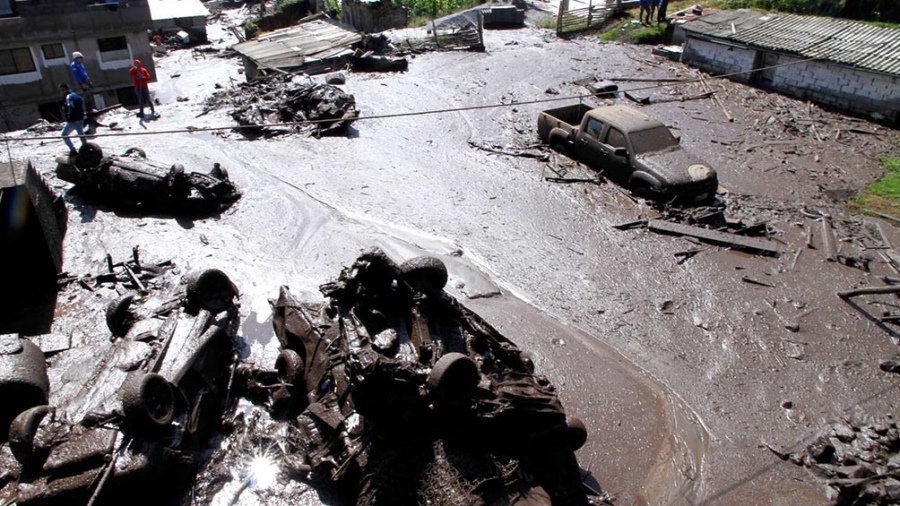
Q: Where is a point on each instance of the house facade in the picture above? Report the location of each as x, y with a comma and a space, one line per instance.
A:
848, 65
37, 39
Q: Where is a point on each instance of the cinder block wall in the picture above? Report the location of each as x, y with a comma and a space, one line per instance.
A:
841, 86
718, 59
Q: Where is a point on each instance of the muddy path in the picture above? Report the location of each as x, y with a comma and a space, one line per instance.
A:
682, 371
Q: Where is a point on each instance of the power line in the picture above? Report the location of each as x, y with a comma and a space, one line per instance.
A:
420, 113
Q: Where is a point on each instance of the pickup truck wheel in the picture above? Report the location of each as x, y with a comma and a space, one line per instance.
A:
425, 274
211, 290
22, 431
89, 156
576, 433
560, 148
118, 315
289, 365
148, 402
453, 379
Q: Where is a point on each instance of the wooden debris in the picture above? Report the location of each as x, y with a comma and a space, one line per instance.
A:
828, 238
747, 279
876, 290
715, 237
523, 154
630, 225
638, 99
881, 215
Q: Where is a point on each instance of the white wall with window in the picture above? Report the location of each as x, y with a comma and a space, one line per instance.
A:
114, 53
18, 66
54, 54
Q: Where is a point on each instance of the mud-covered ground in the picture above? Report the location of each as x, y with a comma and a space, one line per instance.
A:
684, 372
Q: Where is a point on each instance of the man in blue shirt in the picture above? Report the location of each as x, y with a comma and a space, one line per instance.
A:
79, 73
73, 113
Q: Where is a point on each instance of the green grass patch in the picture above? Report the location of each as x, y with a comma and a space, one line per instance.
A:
882, 196
634, 33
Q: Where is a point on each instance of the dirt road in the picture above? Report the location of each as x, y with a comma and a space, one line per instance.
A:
682, 371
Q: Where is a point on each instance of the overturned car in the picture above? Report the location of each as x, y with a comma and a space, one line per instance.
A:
138, 411
133, 181
397, 394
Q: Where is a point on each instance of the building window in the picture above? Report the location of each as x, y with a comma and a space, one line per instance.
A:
16, 61
7, 8
112, 44
53, 51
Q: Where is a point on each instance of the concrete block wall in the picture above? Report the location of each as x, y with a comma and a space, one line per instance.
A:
718, 59
842, 86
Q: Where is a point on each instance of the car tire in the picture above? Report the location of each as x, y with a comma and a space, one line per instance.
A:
211, 290
118, 315
136, 151
290, 367
425, 274
453, 379
22, 431
148, 402
576, 433
89, 156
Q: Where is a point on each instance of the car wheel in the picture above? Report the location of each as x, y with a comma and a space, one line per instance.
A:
576, 433
212, 290
289, 365
22, 431
453, 378
148, 402
118, 315
424, 274
560, 148
89, 156
136, 151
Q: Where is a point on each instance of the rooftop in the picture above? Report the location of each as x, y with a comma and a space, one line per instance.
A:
175, 9
838, 40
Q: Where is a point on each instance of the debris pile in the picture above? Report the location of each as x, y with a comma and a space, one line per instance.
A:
394, 392
860, 461
102, 420
282, 105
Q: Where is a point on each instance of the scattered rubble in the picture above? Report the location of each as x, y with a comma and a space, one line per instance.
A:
285, 104
859, 461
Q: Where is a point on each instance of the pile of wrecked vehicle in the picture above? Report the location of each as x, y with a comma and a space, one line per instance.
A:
136, 412
133, 181
397, 394
389, 392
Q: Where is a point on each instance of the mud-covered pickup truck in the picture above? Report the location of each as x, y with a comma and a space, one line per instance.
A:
629, 147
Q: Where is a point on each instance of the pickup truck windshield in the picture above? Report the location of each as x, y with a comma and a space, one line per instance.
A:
652, 139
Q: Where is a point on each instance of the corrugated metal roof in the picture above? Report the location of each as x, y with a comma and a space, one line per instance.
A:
315, 39
174, 9
862, 45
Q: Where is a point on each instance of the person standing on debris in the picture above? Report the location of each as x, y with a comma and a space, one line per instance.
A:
79, 73
140, 76
73, 113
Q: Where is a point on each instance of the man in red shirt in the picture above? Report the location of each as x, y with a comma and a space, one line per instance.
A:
140, 76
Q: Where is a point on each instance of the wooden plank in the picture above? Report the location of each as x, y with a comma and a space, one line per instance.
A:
715, 237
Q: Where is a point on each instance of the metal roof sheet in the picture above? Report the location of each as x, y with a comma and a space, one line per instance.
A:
174, 9
314, 39
838, 40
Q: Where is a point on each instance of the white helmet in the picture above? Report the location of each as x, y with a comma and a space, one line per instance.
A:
76, 55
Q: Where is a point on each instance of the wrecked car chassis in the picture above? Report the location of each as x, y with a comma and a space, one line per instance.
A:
143, 411
393, 373
132, 181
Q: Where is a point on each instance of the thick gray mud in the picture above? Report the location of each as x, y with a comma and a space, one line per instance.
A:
681, 371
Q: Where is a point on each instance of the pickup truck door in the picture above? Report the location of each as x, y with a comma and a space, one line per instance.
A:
615, 139
590, 149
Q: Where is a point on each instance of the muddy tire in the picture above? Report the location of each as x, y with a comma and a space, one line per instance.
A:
290, 367
453, 379
136, 151
118, 315
148, 402
576, 433
89, 156
22, 431
211, 290
427, 275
